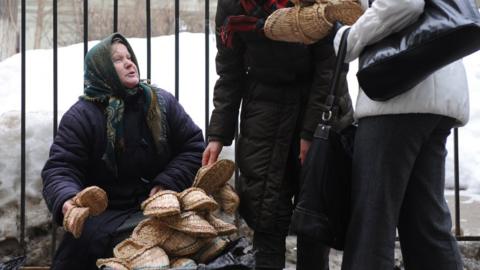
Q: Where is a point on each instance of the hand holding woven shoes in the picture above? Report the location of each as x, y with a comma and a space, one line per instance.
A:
91, 201
309, 23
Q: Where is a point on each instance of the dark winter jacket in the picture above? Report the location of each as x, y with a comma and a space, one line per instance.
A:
281, 87
75, 160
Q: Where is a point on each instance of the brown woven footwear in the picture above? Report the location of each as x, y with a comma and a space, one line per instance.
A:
212, 178
74, 220
92, 197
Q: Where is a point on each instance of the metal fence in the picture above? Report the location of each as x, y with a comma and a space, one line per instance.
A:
177, 67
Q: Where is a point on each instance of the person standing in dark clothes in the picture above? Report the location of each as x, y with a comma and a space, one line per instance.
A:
125, 136
281, 88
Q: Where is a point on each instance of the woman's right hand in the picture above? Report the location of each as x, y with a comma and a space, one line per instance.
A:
66, 206
210, 155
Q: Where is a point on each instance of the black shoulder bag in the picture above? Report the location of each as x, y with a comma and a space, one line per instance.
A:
446, 31
323, 206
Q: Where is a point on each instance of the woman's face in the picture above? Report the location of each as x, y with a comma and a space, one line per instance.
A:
125, 67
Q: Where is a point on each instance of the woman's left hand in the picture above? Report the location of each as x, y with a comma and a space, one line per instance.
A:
155, 189
304, 146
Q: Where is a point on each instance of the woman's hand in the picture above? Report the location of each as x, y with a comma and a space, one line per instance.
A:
155, 189
66, 206
304, 146
210, 155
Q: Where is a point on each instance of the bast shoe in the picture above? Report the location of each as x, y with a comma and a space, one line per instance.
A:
163, 203
94, 198
228, 199
74, 220
195, 199
211, 178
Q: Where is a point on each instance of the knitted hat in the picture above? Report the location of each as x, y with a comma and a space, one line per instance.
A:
211, 178
163, 203
74, 220
195, 199
92, 197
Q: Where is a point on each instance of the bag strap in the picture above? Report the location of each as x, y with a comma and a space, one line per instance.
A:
334, 82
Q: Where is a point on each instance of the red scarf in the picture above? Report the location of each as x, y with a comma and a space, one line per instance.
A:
253, 21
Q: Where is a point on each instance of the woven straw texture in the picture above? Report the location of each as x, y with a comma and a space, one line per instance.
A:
150, 258
195, 199
74, 220
92, 197
182, 244
228, 199
190, 223
151, 232
212, 178
127, 248
210, 251
113, 263
162, 204
308, 24
222, 227
183, 263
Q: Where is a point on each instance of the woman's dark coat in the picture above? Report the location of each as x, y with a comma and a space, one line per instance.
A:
281, 88
75, 162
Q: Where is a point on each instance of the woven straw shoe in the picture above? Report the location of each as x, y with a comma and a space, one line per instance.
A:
190, 223
150, 258
222, 227
228, 199
74, 220
151, 232
181, 244
195, 199
212, 178
308, 24
92, 197
210, 251
163, 203
183, 263
113, 263
127, 249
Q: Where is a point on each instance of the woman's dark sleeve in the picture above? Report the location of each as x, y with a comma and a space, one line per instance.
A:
186, 141
64, 171
229, 87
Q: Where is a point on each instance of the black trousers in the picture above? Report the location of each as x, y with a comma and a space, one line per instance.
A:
398, 183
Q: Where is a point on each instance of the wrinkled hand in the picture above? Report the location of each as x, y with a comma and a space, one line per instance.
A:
155, 189
210, 155
304, 146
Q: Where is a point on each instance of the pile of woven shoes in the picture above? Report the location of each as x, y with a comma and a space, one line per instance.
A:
310, 20
181, 229
91, 201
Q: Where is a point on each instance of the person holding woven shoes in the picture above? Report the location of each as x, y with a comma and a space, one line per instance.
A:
280, 87
123, 141
399, 156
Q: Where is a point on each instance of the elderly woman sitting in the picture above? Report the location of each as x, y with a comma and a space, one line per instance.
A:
125, 137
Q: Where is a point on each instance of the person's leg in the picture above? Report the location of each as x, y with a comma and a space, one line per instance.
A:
312, 255
385, 151
425, 223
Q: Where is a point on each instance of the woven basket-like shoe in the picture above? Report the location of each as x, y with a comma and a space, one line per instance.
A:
195, 199
162, 204
127, 249
181, 244
92, 197
183, 263
308, 24
210, 251
113, 263
222, 227
228, 199
150, 258
151, 232
74, 220
212, 178
190, 223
